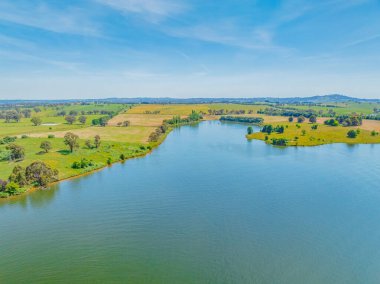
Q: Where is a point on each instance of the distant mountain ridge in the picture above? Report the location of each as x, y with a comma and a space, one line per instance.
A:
332, 98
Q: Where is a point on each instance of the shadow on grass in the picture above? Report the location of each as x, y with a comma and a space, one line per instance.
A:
41, 153
64, 152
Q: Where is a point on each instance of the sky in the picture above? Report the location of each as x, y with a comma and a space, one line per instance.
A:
53, 49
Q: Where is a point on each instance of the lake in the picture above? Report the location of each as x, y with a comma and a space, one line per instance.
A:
207, 206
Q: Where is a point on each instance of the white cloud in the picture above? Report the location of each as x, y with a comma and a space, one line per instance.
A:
150, 8
71, 20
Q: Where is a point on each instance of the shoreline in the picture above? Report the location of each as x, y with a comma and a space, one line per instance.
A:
33, 189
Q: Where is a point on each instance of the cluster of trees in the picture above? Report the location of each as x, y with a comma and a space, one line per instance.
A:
177, 120
15, 115
89, 112
345, 120
226, 111
349, 120
287, 112
96, 143
37, 174
269, 129
241, 119
373, 117
279, 141
158, 132
101, 121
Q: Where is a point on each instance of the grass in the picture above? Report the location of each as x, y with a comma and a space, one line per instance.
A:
342, 108
60, 157
139, 119
131, 134
323, 135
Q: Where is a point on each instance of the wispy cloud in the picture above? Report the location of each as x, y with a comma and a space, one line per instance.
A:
71, 20
157, 9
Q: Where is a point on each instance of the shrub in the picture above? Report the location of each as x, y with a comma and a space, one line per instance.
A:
109, 161
314, 127
51, 136
12, 188
279, 142
36, 121
122, 157
18, 176
352, 134
313, 118
249, 130
301, 119
17, 152
82, 164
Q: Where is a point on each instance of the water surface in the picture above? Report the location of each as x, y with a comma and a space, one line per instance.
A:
207, 206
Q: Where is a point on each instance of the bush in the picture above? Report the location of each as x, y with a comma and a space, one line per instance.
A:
352, 134
249, 130
109, 161
279, 142
331, 122
301, 119
122, 157
51, 136
82, 164
12, 188
8, 139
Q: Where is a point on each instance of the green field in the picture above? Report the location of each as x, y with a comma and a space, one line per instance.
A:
323, 135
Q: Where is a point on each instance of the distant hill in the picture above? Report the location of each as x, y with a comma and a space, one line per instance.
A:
333, 98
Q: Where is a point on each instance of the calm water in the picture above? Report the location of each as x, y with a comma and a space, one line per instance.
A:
208, 206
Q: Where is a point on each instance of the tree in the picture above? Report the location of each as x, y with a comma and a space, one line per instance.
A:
97, 141
82, 119
17, 151
352, 134
301, 119
26, 113
18, 176
12, 115
313, 118
70, 119
46, 146
303, 132
40, 174
88, 144
267, 129
290, 118
71, 140
36, 121
249, 130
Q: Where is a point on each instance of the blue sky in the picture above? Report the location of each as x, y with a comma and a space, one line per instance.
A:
53, 49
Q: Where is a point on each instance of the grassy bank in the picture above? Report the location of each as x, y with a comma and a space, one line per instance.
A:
302, 134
